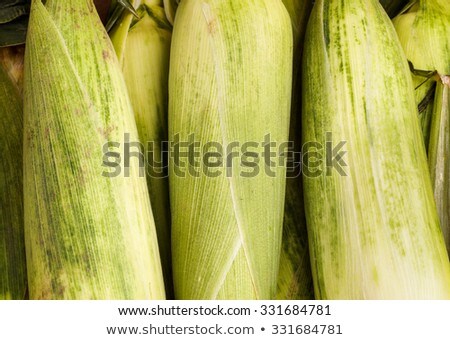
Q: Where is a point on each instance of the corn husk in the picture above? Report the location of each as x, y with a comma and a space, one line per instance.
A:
438, 156
424, 31
373, 229
13, 273
426, 24
143, 47
89, 232
13, 22
170, 7
295, 278
226, 230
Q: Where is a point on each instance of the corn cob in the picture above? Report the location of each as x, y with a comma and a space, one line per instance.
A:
424, 32
143, 47
89, 232
13, 279
226, 228
295, 278
373, 226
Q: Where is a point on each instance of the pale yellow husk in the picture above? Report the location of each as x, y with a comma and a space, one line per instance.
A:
373, 229
230, 81
424, 32
143, 47
89, 228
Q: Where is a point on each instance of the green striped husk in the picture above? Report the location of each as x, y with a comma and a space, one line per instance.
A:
89, 234
143, 47
295, 278
374, 232
230, 82
13, 272
424, 32
426, 24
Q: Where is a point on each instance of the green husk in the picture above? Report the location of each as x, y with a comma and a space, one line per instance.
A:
295, 278
13, 22
13, 273
226, 230
89, 233
299, 11
424, 32
143, 47
426, 24
373, 229
13, 9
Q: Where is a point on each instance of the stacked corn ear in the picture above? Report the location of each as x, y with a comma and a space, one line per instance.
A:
412, 19
229, 84
372, 222
439, 154
299, 11
89, 228
394, 7
424, 32
295, 278
11, 59
143, 47
13, 273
